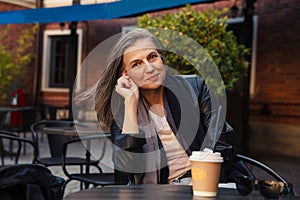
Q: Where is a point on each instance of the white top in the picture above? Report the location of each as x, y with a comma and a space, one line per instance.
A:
178, 160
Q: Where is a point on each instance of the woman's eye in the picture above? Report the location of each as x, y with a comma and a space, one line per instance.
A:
152, 57
136, 64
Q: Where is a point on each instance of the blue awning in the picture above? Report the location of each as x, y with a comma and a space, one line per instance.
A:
123, 8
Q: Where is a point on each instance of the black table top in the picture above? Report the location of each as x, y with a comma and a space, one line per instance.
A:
6, 109
156, 192
14, 109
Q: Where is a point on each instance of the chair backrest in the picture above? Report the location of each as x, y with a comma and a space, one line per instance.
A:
9, 137
94, 141
55, 141
4, 139
29, 181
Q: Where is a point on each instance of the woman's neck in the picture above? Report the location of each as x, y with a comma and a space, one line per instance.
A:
154, 99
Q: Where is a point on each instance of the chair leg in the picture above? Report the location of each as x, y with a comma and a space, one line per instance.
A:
86, 184
24, 150
11, 148
99, 168
81, 182
63, 188
2, 159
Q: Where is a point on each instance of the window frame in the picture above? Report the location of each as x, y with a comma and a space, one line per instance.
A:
46, 57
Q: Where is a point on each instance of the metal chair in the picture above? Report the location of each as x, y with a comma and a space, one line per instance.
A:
56, 143
96, 179
238, 167
13, 153
250, 162
28, 118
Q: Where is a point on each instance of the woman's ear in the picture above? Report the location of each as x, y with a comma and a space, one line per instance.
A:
124, 73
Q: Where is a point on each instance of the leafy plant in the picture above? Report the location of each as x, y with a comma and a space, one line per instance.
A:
13, 60
210, 30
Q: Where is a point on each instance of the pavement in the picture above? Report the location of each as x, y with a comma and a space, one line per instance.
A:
288, 167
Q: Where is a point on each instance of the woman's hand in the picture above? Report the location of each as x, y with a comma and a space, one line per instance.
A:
128, 89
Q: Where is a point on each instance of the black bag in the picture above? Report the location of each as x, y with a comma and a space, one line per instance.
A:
29, 181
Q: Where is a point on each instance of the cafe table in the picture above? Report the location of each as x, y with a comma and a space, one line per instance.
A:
6, 109
159, 192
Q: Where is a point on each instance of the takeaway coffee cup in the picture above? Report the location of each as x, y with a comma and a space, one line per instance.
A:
206, 168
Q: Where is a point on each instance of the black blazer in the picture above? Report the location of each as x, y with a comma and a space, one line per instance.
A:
187, 106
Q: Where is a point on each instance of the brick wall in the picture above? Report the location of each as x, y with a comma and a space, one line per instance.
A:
26, 81
277, 72
275, 108
9, 7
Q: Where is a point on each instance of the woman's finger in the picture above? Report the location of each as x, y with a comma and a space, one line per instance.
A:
124, 82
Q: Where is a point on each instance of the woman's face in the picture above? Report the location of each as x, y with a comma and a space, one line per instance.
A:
144, 65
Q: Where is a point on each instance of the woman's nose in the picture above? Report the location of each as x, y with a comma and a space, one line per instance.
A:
148, 67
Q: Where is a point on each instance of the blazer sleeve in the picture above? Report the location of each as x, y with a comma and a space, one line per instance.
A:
129, 142
204, 101
201, 90
123, 145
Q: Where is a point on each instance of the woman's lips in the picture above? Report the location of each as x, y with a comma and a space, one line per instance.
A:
153, 78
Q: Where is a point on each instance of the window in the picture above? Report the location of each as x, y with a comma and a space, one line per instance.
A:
55, 59
59, 62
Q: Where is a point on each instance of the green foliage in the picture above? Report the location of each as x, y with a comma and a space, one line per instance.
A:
209, 29
12, 61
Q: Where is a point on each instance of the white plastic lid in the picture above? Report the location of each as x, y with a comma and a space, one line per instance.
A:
206, 156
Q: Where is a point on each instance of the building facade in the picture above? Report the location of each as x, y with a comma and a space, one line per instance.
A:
269, 119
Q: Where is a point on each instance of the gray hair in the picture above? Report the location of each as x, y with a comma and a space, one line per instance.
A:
114, 70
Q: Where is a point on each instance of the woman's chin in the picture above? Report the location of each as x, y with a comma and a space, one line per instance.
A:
152, 86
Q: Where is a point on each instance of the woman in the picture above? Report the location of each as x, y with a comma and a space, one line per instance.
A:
156, 119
